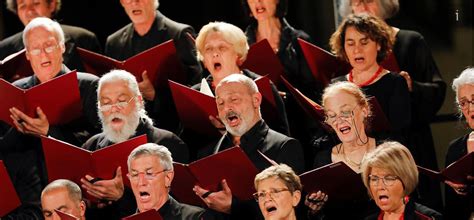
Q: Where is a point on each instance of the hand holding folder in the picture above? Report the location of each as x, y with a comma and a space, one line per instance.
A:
456, 172
337, 180
232, 164
262, 60
148, 215
65, 161
58, 98
9, 200
15, 66
161, 62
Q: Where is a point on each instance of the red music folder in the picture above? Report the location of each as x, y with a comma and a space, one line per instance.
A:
66, 161
268, 106
59, 99
65, 216
262, 60
194, 109
312, 108
378, 121
323, 64
9, 200
161, 63
15, 66
148, 215
231, 164
455, 172
337, 180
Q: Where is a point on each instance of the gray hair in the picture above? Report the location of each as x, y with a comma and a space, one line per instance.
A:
127, 77
465, 78
12, 5
388, 8
72, 188
46, 23
242, 79
231, 33
152, 149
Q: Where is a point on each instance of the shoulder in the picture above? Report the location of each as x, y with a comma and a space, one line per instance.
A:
127, 29
185, 211
430, 213
93, 143
162, 136
175, 26
12, 40
82, 76
279, 138
408, 37
77, 32
252, 75
23, 83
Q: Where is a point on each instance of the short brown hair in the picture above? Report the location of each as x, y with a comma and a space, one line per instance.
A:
396, 159
375, 28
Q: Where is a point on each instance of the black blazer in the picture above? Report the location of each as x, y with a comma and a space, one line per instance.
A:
120, 45
73, 37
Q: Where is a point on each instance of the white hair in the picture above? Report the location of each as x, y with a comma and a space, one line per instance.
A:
465, 78
152, 149
240, 78
72, 188
47, 24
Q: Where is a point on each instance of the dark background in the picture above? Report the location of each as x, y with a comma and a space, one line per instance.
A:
433, 18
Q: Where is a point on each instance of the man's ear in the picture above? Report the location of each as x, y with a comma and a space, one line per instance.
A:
83, 206
240, 60
257, 99
169, 178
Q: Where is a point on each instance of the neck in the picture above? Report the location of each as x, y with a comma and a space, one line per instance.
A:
395, 215
143, 27
236, 140
362, 75
268, 27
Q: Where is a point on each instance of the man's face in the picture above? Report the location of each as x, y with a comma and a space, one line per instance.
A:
139, 11
120, 121
238, 109
59, 199
29, 9
45, 52
150, 182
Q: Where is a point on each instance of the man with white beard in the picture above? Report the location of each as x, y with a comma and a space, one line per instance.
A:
238, 104
122, 113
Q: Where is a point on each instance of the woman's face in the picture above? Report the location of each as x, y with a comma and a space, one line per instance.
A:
465, 97
386, 190
262, 9
345, 116
366, 6
220, 57
360, 50
278, 202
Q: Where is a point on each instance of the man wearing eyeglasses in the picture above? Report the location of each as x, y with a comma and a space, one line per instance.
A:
122, 113
150, 170
44, 43
147, 29
27, 10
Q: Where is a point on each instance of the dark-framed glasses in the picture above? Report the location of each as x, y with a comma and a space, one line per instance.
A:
119, 105
330, 118
359, 2
47, 50
464, 103
274, 193
388, 180
133, 176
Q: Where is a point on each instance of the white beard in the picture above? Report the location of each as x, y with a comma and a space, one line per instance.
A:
129, 128
241, 129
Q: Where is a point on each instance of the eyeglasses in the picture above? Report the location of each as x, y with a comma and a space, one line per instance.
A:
128, 1
274, 193
148, 175
359, 2
48, 50
344, 115
387, 180
119, 105
464, 103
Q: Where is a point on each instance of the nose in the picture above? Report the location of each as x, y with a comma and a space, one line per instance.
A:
55, 216
141, 179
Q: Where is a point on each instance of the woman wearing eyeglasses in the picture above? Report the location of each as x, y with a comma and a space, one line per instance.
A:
347, 112
364, 41
390, 174
426, 86
278, 192
459, 198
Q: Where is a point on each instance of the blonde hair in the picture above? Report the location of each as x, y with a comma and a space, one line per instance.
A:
282, 172
231, 33
396, 159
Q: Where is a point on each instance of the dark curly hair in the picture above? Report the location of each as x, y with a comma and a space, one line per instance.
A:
375, 28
